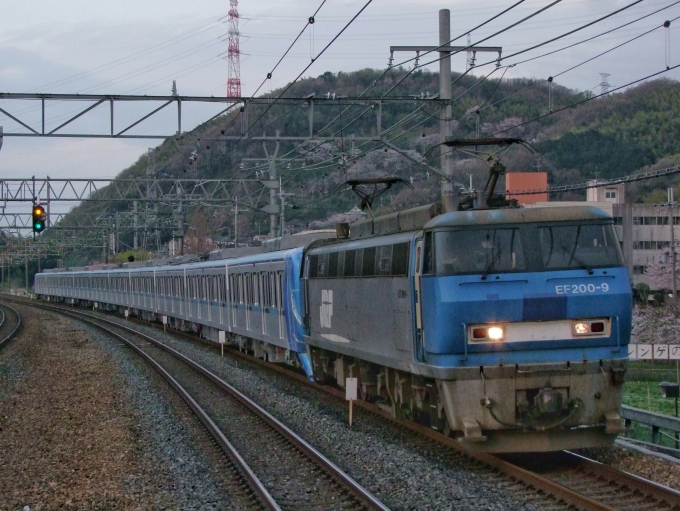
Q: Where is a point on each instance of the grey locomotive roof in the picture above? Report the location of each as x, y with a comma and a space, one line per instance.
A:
374, 241
517, 215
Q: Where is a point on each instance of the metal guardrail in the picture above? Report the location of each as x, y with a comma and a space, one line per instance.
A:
656, 421
628, 413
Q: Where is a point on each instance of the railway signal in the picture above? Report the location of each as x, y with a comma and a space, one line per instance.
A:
39, 218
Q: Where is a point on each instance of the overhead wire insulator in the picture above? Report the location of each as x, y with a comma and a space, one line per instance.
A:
667, 25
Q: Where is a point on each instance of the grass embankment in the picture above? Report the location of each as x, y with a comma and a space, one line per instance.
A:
642, 390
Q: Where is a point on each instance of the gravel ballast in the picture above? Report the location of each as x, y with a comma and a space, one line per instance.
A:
85, 425
389, 461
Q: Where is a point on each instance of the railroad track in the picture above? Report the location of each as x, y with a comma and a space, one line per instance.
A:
614, 489
9, 324
281, 469
571, 480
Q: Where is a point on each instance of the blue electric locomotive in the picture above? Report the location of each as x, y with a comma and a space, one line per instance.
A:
506, 328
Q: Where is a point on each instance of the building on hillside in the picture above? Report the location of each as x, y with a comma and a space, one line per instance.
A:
526, 181
616, 194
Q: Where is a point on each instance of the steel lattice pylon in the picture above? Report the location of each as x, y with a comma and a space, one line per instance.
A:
234, 53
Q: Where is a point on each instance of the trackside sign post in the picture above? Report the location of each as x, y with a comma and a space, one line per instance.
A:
222, 338
350, 394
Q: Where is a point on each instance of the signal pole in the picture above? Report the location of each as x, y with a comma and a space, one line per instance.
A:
446, 163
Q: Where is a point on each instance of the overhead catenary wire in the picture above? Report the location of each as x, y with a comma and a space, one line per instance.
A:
653, 75
373, 85
600, 19
369, 88
500, 58
507, 28
287, 88
465, 48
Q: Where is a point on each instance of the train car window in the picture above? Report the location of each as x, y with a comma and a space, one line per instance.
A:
428, 256
333, 264
322, 266
579, 246
399, 259
264, 281
272, 289
341, 263
312, 266
348, 263
279, 291
384, 260
478, 251
368, 268
358, 262
249, 288
256, 288
241, 290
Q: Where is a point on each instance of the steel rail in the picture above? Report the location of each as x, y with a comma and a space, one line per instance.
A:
644, 486
363, 495
4, 342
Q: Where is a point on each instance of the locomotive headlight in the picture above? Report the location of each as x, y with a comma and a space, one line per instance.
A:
590, 328
495, 333
486, 333
581, 328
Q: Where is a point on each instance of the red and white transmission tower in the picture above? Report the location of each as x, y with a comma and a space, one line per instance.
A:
234, 53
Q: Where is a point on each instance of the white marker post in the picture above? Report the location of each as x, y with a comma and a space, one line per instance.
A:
165, 323
351, 394
222, 337
127, 313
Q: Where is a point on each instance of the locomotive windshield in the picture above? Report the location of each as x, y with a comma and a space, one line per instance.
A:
478, 251
578, 246
526, 247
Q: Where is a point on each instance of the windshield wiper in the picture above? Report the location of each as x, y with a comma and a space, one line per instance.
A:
493, 262
572, 255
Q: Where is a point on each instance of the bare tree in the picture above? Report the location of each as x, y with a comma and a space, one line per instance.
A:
198, 239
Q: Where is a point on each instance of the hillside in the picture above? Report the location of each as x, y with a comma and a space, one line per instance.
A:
606, 137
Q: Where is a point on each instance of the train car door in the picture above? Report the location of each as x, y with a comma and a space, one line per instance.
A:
420, 335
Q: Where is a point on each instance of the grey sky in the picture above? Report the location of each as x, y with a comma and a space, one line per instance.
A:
134, 47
